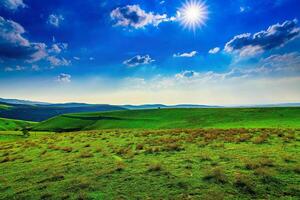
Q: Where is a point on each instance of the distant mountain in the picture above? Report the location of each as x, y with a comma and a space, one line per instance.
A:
39, 112
271, 105
155, 106
24, 102
146, 106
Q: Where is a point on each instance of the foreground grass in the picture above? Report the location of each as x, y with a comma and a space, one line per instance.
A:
176, 118
161, 164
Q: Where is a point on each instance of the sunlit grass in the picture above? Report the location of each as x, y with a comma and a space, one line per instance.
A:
178, 163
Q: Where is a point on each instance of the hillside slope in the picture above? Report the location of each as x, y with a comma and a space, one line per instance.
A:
11, 125
176, 118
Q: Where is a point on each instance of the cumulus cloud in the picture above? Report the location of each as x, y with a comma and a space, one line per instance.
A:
138, 60
214, 50
55, 61
55, 20
133, 16
14, 46
188, 55
64, 78
277, 35
13, 4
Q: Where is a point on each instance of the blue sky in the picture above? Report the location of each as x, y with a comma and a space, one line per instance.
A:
119, 52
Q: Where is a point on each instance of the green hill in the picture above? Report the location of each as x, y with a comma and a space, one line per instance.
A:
176, 118
11, 125
5, 107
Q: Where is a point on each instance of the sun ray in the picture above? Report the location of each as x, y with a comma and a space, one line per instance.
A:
193, 14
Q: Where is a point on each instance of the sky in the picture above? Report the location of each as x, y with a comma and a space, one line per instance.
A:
214, 52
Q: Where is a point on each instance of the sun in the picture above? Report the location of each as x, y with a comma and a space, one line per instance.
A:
193, 14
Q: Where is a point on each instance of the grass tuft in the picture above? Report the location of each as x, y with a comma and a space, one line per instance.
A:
217, 174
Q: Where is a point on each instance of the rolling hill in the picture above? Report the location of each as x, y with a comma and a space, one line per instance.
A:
176, 118
12, 125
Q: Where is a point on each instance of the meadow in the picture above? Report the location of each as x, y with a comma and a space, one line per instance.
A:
176, 118
154, 161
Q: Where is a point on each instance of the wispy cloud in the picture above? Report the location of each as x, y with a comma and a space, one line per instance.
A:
138, 60
55, 61
188, 55
17, 68
214, 50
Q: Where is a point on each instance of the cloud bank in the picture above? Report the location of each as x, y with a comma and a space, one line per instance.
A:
277, 35
14, 46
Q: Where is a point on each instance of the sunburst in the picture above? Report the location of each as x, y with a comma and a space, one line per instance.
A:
193, 14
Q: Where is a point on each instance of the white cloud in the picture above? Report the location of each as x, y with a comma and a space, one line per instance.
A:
214, 50
55, 20
13, 4
64, 78
133, 16
58, 61
188, 55
138, 60
58, 47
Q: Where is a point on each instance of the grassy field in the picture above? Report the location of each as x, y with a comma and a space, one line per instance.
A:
176, 118
224, 153
151, 164
10, 124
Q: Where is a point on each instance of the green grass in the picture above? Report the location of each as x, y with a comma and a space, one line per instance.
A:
177, 118
151, 164
10, 124
230, 153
